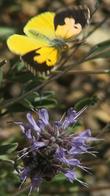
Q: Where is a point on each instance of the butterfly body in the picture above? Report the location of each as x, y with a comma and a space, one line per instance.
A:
46, 37
54, 42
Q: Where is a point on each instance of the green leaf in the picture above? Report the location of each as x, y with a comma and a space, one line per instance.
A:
47, 98
101, 50
35, 100
5, 158
5, 32
23, 77
19, 66
59, 177
86, 102
27, 104
8, 148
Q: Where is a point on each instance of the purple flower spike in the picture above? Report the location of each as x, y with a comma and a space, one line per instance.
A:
70, 118
70, 175
86, 134
38, 145
21, 125
36, 181
51, 149
74, 162
25, 173
43, 115
32, 122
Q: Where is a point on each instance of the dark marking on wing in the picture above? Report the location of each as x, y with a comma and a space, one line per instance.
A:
81, 14
32, 65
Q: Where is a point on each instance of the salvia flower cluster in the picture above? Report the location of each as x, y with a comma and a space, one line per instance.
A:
51, 148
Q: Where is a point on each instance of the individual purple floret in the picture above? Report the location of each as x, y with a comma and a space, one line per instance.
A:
51, 148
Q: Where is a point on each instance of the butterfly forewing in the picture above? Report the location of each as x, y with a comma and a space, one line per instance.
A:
42, 24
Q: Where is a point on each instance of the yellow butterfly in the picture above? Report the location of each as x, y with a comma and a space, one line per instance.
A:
47, 35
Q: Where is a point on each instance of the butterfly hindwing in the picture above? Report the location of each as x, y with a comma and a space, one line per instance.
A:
68, 23
42, 59
50, 55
